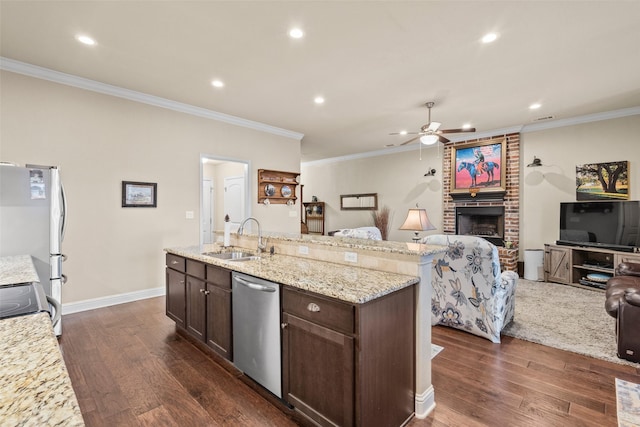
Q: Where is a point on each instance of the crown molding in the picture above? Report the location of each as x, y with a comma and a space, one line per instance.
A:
532, 127
588, 118
131, 95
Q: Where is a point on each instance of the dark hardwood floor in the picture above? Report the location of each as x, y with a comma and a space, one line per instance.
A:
129, 367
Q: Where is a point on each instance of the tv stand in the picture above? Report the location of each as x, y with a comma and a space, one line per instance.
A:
571, 265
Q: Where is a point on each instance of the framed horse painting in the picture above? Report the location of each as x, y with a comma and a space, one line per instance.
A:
479, 167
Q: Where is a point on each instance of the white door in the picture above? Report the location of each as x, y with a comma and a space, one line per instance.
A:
207, 211
234, 195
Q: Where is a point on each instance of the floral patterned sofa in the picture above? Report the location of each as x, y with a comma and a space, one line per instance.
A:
372, 233
469, 291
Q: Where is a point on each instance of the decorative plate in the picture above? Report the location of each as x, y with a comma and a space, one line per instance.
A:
598, 277
269, 190
285, 191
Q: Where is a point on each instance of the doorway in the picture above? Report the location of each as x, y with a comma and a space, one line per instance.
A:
207, 211
229, 191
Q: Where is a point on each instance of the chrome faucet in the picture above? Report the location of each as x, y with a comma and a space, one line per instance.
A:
261, 246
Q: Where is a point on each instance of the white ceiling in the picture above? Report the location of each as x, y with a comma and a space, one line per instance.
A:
375, 62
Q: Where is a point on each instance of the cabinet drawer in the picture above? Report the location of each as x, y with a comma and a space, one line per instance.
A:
320, 310
195, 268
176, 262
221, 277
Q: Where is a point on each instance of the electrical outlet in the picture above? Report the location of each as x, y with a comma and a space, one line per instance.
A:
351, 257
304, 250
189, 215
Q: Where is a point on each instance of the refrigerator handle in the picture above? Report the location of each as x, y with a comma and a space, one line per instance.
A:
64, 212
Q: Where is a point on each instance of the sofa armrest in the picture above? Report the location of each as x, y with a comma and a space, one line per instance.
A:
633, 298
628, 269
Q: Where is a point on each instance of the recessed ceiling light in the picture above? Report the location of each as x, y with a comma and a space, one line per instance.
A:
535, 106
403, 132
296, 33
86, 40
488, 38
318, 100
466, 126
217, 83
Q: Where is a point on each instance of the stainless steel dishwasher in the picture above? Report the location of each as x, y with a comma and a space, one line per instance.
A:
256, 330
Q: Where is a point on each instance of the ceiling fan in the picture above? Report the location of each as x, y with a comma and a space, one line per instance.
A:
431, 133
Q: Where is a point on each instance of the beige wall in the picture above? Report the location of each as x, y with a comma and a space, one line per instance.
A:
398, 178
98, 141
560, 150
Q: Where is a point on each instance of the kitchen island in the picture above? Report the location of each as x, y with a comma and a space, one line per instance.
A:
353, 312
35, 389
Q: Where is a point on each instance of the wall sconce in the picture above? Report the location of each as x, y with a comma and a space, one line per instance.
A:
536, 162
417, 220
430, 172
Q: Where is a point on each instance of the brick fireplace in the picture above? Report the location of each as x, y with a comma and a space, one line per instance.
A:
470, 208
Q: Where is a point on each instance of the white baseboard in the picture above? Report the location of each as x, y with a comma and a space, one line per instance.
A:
91, 304
425, 403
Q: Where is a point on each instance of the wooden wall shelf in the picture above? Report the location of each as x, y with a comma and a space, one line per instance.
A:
276, 186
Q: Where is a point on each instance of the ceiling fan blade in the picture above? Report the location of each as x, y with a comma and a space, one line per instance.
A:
411, 140
434, 126
457, 130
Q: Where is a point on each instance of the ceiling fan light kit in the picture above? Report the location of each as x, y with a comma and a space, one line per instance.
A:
431, 133
429, 139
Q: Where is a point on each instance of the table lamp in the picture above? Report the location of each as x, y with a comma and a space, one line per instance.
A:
417, 220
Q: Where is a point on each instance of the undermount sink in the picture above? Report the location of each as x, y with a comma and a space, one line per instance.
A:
233, 256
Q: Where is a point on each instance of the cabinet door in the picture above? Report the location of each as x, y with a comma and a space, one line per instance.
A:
318, 371
196, 306
624, 257
175, 296
219, 320
558, 264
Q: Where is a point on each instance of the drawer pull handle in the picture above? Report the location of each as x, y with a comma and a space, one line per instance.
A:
284, 325
313, 307
174, 262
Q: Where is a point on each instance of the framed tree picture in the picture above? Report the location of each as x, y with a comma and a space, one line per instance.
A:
602, 181
478, 167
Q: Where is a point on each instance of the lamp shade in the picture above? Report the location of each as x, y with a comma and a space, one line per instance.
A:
417, 220
429, 139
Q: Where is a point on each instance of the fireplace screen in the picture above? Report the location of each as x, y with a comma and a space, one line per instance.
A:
487, 222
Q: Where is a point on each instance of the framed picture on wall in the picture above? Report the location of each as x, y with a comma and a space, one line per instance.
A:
139, 194
478, 167
602, 181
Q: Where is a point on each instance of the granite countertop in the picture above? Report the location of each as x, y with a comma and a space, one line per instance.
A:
352, 284
34, 383
17, 269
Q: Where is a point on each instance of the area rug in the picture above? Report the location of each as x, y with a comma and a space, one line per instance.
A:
564, 317
628, 403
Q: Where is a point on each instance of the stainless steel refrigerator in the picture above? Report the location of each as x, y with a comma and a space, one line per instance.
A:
32, 222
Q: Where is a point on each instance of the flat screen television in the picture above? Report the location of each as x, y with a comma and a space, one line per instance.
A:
611, 225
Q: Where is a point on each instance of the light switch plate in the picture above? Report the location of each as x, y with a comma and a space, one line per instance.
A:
293, 214
189, 215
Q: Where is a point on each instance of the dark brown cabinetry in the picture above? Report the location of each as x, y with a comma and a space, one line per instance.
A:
346, 364
176, 288
204, 304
